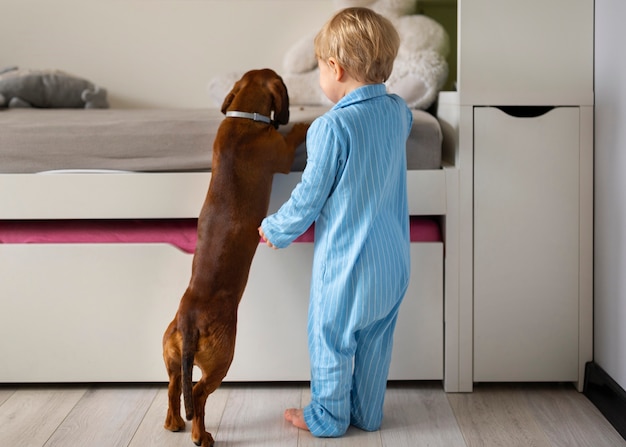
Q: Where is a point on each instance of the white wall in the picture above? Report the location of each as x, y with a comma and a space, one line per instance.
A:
154, 53
610, 189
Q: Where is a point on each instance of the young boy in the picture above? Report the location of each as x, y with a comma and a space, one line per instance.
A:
354, 189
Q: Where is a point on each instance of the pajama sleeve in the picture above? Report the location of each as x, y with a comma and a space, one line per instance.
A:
324, 159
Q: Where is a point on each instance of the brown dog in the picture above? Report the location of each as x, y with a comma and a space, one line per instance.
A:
247, 151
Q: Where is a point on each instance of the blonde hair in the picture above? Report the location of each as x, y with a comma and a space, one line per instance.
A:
363, 43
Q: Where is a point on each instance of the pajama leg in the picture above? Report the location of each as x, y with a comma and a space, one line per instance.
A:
371, 369
328, 414
332, 353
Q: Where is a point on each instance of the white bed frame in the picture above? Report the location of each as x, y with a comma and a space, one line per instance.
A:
97, 312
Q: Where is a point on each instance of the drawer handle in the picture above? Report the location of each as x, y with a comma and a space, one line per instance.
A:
525, 111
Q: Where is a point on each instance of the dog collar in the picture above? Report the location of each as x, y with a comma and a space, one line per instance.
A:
251, 116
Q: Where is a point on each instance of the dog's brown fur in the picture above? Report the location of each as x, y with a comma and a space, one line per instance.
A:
246, 154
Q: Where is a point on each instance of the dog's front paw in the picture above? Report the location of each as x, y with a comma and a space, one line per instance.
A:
299, 131
174, 423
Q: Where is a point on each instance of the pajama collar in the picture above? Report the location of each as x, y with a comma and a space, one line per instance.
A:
364, 93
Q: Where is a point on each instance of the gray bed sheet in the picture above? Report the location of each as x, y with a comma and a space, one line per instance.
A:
151, 140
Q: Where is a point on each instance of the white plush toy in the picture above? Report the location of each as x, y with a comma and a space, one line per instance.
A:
419, 71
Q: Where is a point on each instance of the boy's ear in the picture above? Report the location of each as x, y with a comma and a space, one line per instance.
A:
336, 68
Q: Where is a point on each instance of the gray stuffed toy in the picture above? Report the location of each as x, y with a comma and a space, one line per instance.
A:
48, 89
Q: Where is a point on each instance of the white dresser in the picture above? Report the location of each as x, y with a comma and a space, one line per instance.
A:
525, 82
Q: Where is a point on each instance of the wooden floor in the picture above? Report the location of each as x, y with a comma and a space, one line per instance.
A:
416, 414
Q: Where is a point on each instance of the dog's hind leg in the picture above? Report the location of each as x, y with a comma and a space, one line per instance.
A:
173, 420
171, 355
201, 391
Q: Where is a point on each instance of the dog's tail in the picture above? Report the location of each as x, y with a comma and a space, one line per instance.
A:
190, 341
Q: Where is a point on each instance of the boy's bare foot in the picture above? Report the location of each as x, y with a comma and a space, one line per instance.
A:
296, 417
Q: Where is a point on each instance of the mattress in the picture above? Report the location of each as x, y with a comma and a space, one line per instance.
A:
151, 140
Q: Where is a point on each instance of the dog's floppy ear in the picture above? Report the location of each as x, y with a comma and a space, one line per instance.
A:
280, 100
229, 98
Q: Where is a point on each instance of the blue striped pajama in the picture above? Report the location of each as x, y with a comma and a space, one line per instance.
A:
354, 189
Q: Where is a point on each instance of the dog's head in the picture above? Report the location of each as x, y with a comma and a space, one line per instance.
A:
260, 91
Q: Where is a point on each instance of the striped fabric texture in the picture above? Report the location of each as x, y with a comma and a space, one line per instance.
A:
354, 189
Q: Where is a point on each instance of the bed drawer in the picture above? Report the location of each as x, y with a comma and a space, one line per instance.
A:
97, 312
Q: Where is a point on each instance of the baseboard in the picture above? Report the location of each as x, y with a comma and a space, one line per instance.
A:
607, 395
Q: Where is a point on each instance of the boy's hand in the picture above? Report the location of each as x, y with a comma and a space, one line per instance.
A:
269, 244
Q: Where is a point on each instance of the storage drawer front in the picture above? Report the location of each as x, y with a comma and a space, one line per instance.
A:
97, 313
526, 239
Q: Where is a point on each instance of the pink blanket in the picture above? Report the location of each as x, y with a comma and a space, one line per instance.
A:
180, 233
